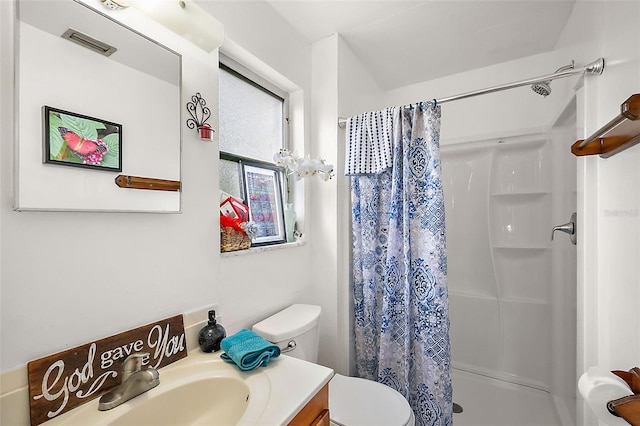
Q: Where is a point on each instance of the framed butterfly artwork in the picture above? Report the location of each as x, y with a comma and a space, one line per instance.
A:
77, 140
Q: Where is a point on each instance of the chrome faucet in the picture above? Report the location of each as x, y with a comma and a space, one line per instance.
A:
569, 227
135, 381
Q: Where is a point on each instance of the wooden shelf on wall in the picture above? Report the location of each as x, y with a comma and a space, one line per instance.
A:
136, 182
617, 135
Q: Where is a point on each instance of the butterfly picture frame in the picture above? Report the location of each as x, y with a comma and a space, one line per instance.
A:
72, 139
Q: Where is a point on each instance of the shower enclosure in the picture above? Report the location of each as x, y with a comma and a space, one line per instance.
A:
511, 289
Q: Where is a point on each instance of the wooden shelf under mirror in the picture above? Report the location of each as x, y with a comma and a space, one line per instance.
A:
136, 182
617, 135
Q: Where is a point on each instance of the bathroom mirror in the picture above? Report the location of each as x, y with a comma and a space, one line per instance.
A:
120, 97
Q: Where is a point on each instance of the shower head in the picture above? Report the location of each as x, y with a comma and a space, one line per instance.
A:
544, 87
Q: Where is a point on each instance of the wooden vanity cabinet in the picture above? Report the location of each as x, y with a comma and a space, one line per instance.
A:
322, 420
316, 412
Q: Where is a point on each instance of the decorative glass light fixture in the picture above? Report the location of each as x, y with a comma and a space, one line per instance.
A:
185, 18
115, 4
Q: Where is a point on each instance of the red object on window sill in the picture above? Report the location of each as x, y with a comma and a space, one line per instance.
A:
241, 210
231, 223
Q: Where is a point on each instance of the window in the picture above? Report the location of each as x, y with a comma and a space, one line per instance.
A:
253, 118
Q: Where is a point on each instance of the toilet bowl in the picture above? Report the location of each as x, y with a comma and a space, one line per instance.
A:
352, 401
361, 402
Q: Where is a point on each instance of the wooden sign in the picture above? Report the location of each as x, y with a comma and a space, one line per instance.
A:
60, 382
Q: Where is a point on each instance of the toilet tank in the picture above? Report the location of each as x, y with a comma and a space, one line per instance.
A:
297, 323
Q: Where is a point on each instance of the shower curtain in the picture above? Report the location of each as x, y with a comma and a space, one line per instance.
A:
399, 258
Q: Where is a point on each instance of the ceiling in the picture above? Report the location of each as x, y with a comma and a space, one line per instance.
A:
404, 42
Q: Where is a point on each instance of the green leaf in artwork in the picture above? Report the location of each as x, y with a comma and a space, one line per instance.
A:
83, 127
111, 159
56, 143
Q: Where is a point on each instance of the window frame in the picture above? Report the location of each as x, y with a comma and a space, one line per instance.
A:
239, 160
259, 82
238, 70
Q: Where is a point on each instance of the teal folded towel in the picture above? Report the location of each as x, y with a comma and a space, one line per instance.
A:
248, 350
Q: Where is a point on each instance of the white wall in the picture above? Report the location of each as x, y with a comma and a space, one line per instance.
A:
358, 92
323, 231
256, 27
138, 268
135, 268
608, 194
341, 87
256, 285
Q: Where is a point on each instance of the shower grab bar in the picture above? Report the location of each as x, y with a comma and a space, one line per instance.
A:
622, 132
595, 67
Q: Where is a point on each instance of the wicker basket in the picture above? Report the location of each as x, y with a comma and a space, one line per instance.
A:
232, 240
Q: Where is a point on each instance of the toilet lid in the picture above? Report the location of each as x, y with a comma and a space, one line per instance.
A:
360, 402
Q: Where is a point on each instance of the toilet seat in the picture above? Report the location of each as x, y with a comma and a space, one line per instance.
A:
360, 402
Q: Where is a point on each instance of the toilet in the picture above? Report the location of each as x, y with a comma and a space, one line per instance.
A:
352, 401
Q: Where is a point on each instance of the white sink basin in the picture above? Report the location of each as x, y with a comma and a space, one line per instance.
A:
197, 390
210, 401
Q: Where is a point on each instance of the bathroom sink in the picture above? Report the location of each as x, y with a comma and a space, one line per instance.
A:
210, 401
200, 389
203, 389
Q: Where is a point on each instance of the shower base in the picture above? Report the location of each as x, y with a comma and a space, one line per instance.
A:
490, 402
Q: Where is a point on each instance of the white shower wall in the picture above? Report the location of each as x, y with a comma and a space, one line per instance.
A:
502, 198
498, 222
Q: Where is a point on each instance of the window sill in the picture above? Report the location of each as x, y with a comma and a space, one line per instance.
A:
253, 250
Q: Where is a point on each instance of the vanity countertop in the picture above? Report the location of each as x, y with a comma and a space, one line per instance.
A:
288, 383
293, 383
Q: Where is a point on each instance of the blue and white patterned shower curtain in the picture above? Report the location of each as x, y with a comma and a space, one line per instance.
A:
399, 257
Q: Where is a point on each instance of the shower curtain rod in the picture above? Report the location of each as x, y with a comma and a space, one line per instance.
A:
596, 67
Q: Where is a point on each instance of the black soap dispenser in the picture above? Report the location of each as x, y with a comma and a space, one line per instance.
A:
211, 334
